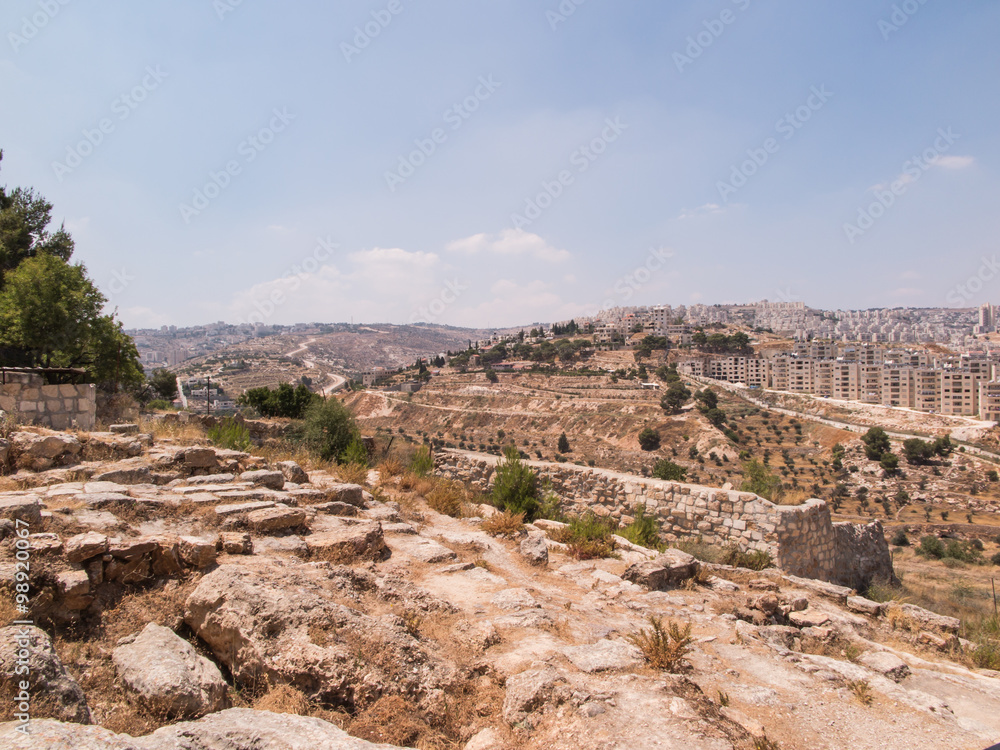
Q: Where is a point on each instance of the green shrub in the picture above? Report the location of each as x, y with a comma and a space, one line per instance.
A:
328, 429
354, 453
900, 539
283, 401
515, 486
422, 463
931, 546
161, 404
753, 560
995, 559
649, 439
668, 470
230, 435
644, 530
588, 537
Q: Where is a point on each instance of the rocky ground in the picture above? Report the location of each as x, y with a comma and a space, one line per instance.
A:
184, 596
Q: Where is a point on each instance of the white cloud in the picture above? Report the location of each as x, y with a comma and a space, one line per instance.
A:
954, 162
909, 275
509, 242
707, 210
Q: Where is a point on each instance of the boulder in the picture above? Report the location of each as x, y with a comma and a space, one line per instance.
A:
200, 458
276, 519
195, 552
85, 546
670, 569
865, 606
124, 429
604, 655
353, 494
235, 543
125, 475
931, 620
278, 621
168, 675
535, 550
47, 677
28, 508
360, 541
273, 480
336, 509
236, 508
130, 549
809, 618
41, 452
530, 691
293, 472
885, 663
98, 500
232, 729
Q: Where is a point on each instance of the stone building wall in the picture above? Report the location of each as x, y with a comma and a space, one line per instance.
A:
802, 539
59, 407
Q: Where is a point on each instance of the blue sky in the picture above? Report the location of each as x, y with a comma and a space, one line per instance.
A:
498, 163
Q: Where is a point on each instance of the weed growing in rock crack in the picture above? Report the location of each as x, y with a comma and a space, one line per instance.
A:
353, 472
481, 563
723, 699
663, 647
862, 690
412, 620
504, 524
230, 435
763, 743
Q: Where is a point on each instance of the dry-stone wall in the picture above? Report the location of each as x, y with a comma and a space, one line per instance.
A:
59, 407
801, 539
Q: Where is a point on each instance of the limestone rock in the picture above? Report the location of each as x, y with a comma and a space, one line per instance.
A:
125, 475
28, 508
885, 663
232, 729
932, 620
85, 546
535, 550
281, 621
670, 569
360, 541
41, 452
196, 553
336, 509
604, 655
235, 543
809, 618
353, 494
200, 458
168, 675
486, 739
293, 472
864, 606
276, 519
530, 691
46, 674
273, 480
514, 599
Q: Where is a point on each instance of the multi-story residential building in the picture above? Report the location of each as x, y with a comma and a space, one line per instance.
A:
989, 401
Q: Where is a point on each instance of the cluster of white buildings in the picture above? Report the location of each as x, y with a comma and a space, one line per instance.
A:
965, 385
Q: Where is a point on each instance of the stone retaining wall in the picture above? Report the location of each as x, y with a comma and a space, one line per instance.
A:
801, 539
58, 407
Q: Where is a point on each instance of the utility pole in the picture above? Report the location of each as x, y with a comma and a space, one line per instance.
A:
208, 397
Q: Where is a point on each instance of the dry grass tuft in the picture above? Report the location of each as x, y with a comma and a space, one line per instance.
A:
664, 647
862, 691
447, 497
763, 743
899, 620
391, 466
394, 721
353, 473
505, 524
283, 699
